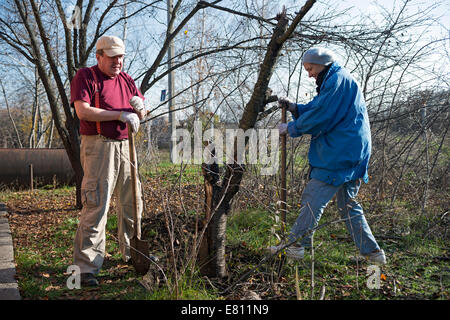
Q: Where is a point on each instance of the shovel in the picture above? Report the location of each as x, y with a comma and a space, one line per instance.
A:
139, 248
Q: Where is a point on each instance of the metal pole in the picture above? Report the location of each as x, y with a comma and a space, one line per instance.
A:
31, 176
125, 24
171, 81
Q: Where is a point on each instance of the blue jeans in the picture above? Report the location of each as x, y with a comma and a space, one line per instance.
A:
315, 198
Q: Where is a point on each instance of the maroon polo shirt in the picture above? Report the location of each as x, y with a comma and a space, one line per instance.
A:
115, 94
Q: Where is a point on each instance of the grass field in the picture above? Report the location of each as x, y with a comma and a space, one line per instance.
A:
44, 222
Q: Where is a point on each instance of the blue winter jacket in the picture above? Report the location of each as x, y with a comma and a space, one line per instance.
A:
338, 122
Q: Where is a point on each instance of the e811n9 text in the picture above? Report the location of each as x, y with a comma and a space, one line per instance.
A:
233, 309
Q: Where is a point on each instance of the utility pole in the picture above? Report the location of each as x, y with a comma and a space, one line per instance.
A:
125, 21
171, 84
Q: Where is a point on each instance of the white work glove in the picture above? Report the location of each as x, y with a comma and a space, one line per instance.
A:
282, 128
137, 103
131, 119
287, 103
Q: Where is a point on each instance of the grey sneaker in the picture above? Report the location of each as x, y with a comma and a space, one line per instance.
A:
293, 251
377, 257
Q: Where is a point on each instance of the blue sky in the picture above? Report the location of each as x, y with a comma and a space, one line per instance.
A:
359, 6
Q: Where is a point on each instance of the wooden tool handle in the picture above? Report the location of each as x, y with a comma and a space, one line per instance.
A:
134, 181
283, 170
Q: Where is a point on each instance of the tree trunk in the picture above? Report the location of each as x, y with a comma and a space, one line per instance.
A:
10, 117
222, 196
211, 178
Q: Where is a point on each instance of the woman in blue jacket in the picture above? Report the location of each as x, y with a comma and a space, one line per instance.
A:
339, 153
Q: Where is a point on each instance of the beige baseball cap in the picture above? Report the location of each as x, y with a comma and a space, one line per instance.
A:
111, 45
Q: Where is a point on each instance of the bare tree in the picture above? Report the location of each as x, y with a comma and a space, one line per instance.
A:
30, 28
220, 197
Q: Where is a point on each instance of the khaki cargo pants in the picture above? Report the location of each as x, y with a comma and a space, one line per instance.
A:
106, 172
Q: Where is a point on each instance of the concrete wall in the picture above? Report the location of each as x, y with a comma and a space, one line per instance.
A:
49, 166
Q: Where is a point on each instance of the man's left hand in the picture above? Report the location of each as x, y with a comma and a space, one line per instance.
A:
285, 102
138, 105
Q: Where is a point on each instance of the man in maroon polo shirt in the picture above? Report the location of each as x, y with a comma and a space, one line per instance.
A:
104, 154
